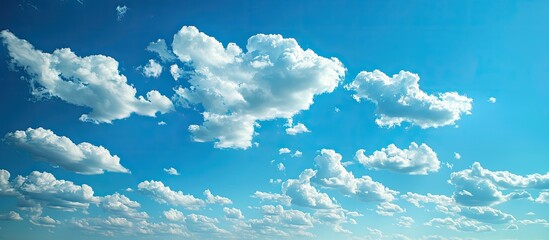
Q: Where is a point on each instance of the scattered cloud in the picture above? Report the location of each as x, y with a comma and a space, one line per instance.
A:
399, 99
174, 215
275, 78
176, 72
280, 167
122, 206
93, 81
297, 129
161, 48
416, 160
389, 209
297, 153
273, 197
457, 156
406, 222
213, 199
233, 213
543, 197
284, 151
492, 100
171, 171
487, 215
302, 193
121, 12
164, 195
162, 123
11, 216
84, 158
459, 224
152, 69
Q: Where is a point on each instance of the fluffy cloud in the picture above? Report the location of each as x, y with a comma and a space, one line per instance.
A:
406, 222
388, 209
5, 186
122, 206
174, 215
487, 215
11, 216
171, 171
543, 197
284, 150
273, 197
233, 213
492, 100
46, 221
399, 99
297, 129
175, 71
443, 203
275, 78
481, 187
202, 224
93, 81
280, 167
83, 158
163, 194
161, 48
44, 190
416, 160
212, 199
152, 69
332, 174
302, 193
459, 224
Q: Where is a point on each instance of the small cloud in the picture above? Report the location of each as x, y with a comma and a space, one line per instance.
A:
152, 69
129, 190
449, 165
281, 167
297, 153
337, 109
530, 213
121, 12
284, 151
457, 156
297, 129
171, 171
492, 100
275, 181
162, 123
175, 71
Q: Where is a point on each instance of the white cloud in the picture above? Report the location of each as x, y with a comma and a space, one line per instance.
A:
233, 213
539, 221
171, 171
83, 158
93, 81
459, 224
152, 69
174, 215
416, 160
284, 150
163, 194
122, 206
399, 99
275, 78
492, 100
443, 203
175, 71
273, 197
6, 188
481, 187
457, 156
121, 12
297, 129
297, 153
212, 199
332, 174
487, 215
406, 222
388, 209
280, 167
203, 224
11, 216
159, 47
162, 123
42, 189
46, 221
302, 193
543, 197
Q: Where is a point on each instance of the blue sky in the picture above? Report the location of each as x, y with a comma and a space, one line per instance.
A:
272, 120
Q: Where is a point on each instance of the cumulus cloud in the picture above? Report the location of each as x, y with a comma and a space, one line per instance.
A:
163, 194
152, 69
487, 215
457, 156
416, 160
543, 197
273, 197
174, 215
121, 12
284, 150
399, 99
406, 222
175, 71
443, 203
203, 224
275, 78
492, 100
42, 189
121, 205
481, 187
93, 81
83, 158
171, 171
389, 209
302, 193
6, 188
297, 153
161, 48
213, 199
280, 167
332, 174
46, 221
459, 224
11, 216
297, 129
233, 213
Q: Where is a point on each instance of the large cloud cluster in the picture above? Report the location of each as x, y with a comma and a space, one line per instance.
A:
275, 78
93, 81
